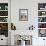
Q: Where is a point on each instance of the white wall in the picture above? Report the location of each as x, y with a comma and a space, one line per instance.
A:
32, 6
32, 13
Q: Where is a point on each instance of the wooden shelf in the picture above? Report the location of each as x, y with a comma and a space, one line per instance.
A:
41, 10
3, 22
42, 16
41, 28
3, 10
3, 16
41, 22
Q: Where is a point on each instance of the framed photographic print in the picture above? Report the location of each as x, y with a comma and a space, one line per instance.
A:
23, 14
42, 32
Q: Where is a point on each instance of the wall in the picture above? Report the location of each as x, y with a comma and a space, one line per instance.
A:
32, 13
32, 6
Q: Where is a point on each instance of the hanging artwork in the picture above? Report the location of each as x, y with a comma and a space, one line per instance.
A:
23, 14
42, 32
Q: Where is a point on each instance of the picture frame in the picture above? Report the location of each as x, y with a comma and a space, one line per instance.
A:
42, 32
23, 14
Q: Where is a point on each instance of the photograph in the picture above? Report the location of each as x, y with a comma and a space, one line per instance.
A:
23, 14
42, 32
